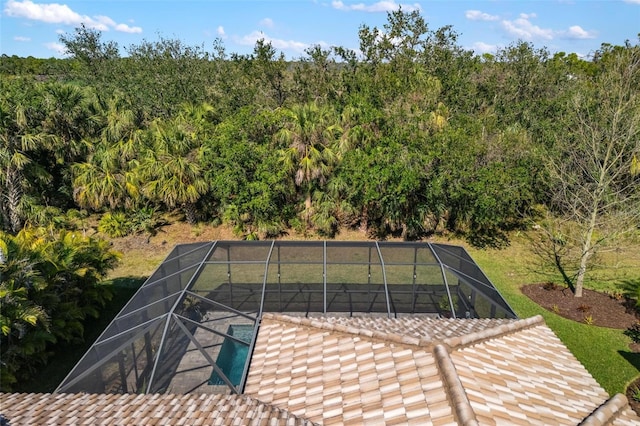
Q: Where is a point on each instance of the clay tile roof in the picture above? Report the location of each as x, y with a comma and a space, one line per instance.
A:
149, 409
371, 370
337, 375
421, 370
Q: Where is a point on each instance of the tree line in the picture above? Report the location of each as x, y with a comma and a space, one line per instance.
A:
409, 135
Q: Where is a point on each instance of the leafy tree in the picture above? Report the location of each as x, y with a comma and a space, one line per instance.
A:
248, 187
269, 70
316, 77
94, 56
163, 75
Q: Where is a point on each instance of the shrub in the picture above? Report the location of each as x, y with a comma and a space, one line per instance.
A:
115, 225
633, 332
584, 308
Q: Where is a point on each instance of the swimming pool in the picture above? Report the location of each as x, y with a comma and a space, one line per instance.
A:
233, 355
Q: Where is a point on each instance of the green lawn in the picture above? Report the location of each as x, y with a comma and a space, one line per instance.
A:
603, 351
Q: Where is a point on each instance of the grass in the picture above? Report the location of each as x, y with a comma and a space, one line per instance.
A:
604, 352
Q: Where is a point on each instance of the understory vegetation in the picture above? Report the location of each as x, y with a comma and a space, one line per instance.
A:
409, 137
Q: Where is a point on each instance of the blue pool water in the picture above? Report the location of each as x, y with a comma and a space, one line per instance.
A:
233, 355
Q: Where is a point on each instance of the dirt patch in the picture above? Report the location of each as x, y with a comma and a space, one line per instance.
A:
593, 307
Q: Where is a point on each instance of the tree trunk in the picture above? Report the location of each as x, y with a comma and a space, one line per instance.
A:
364, 219
585, 254
190, 213
307, 209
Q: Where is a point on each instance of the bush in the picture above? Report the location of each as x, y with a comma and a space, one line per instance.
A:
115, 225
118, 224
49, 285
633, 332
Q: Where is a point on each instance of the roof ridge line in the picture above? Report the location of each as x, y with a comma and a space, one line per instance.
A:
459, 342
607, 412
358, 331
453, 387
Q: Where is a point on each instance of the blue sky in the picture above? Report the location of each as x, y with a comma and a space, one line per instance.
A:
32, 28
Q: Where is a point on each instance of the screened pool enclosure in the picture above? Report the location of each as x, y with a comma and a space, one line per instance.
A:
191, 327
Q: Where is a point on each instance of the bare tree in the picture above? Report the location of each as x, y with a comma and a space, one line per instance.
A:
596, 187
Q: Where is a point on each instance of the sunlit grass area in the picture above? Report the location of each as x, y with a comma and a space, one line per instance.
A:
604, 352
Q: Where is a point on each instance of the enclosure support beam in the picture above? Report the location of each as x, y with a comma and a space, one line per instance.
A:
444, 279
384, 279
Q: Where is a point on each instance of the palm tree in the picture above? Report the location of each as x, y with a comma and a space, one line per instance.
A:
108, 178
68, 120
20, 315
310, 134
171, 165
49, 283
101, 181
20, 138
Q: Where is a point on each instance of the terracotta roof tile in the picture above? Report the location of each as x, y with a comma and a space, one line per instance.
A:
423, 370
150, 409
360, 377
411, 370
527, 369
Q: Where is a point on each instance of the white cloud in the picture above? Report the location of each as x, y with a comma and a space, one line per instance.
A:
481, 47
127, 29
476, 15
252, 38
632, 1
50, 13
221, 32
55, 13
381, 6
266, 22
56, 47
577, 32
21, 38
524, 29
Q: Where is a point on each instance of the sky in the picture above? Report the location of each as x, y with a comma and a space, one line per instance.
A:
33, 28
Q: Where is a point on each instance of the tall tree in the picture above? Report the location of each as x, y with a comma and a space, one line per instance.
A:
595, 188
21, 137
310, 135
107, 177
171, 166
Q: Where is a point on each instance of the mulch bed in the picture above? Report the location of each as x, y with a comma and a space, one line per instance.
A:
602, 309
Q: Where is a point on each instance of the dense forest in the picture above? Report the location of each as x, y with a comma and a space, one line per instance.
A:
411, 135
